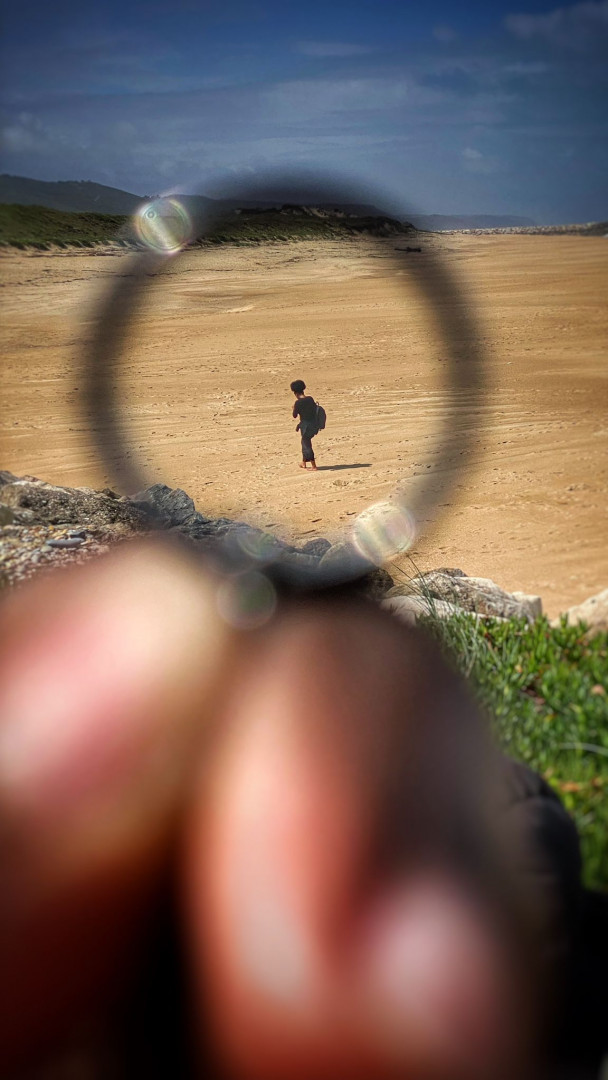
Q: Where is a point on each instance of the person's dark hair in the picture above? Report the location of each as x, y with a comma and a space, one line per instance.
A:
298, 386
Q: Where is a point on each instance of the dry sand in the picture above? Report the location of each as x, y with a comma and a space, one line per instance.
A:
206, 389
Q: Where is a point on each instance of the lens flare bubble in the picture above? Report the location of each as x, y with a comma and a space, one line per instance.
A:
163, 225
247, 600
383, 531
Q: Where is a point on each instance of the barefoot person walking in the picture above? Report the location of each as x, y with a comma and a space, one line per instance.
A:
305, 408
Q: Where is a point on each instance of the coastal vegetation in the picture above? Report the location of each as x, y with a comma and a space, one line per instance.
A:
41, 228
544, 688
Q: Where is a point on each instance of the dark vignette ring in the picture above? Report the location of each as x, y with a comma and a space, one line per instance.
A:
458, 330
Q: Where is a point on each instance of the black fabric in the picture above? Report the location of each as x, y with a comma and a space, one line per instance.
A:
572, 923
308, 453
306, 409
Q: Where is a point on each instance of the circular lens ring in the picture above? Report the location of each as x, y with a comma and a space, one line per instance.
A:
398, 518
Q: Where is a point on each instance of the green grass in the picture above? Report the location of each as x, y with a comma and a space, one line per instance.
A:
271, 226
547, 691
39, 227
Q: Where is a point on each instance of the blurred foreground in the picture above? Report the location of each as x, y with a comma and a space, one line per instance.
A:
282, 853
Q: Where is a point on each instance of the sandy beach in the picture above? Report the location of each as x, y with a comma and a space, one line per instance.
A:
205, 389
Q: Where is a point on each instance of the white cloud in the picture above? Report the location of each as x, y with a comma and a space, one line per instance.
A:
331, 48
471, 155
300, 100
576, 26
444, 33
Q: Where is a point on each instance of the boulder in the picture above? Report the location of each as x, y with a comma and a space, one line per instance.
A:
344, 558
318, 547
593, 611
479, 595
532, 603
37, 503
238, 542
378, 583
171, 506
7, 516
254, 543
297, 566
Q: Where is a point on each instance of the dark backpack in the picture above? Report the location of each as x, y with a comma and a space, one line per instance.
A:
321, 417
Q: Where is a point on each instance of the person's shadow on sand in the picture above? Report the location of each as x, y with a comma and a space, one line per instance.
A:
335, 468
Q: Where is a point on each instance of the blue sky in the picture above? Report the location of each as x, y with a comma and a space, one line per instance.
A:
473, 108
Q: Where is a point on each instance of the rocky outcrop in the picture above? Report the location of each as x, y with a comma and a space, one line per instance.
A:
318, 547
479, 595
170, 506
34, 502
42, 525
445, 592
593, 612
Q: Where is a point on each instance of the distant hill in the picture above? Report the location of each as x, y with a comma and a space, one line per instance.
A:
69, 195
42, 227
441, 222
84, 196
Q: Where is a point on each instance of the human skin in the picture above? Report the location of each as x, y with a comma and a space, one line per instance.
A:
141, 735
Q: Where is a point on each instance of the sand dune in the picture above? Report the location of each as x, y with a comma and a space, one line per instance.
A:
205, 390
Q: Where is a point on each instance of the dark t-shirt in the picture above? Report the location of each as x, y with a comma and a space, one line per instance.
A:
306, 409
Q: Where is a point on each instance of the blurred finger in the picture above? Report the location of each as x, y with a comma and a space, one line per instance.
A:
340, 926
106, 672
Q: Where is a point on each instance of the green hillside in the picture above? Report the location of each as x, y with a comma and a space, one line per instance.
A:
37, 226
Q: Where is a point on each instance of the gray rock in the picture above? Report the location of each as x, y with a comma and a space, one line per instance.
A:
346, 562
34, 502
451, 571
410, 586
171, 505
343, 558
318, 547
533, 604
378, 583
410, 608
65, 542
6, 477
235, 542
479, 595
7, 516
202, 528
295, 564
593, 611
